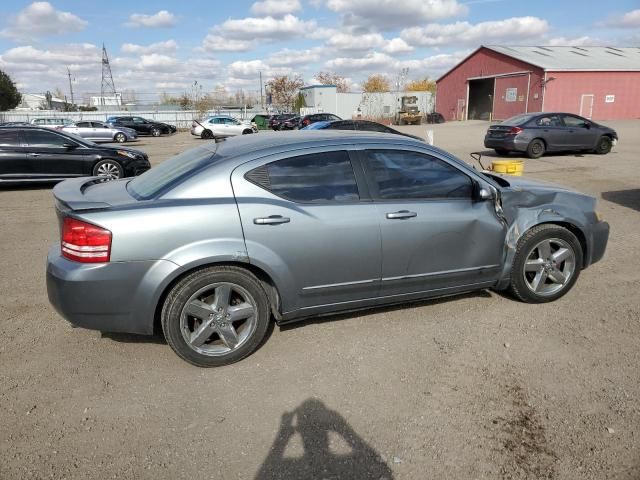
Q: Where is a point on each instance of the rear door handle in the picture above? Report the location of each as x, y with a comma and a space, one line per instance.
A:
401, 214
271, 220
34, 154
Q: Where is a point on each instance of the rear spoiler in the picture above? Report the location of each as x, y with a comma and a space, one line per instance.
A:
70, 194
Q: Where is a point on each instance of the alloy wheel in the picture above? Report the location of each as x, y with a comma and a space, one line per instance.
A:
549, 267
109, 170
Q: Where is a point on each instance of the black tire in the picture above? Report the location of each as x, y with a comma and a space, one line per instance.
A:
502, 152
247, 132
110, 169
156, 132
519, 286
604, 145
206, 134
120, 137
183, 291
536, 148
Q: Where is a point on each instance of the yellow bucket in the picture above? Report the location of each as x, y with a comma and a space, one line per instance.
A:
510, 167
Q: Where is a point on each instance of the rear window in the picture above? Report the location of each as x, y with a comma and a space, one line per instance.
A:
170, 173
517, 120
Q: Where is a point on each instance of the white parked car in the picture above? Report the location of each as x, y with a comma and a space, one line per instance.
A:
101, 132
51, 122
221, 126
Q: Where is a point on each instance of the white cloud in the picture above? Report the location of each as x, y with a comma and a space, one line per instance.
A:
156, 62
252, 68
392, 14
41, 19
217, 43
289, 58
275, 8
464, 33
397, 46
172, 85
628, 20
163, 18
266, 28
574, 42
355, 43
372, 61
169, 46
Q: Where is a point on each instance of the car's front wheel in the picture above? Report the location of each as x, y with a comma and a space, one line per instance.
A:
156, 132
109, 169
206, 134
604, 145
120, 137
247, 131
216, 316
547, 264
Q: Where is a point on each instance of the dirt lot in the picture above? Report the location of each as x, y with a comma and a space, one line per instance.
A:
478, 386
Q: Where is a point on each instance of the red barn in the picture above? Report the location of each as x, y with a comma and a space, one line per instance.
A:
497, 82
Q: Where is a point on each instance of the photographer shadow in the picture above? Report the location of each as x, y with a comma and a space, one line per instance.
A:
331, 449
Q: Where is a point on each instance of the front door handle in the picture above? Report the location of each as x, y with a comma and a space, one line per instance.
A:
34, 154
401, 214
271, 220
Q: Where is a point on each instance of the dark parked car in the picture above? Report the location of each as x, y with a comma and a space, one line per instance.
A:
296, 123
276, 121
538, 133
300, 224
358, 125
40, 154
142, 125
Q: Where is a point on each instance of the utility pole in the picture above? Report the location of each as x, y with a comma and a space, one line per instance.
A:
261, 98
70, 86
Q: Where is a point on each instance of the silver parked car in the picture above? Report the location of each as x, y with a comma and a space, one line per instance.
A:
51, 122
221, 126
293, 225
101, 132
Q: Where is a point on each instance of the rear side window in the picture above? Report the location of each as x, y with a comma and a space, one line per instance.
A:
401, 174
549, 121
40, 138
9, 138
83, 124
320, 177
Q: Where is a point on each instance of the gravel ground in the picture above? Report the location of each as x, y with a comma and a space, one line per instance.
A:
472, 387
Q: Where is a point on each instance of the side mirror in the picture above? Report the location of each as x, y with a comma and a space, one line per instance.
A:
586, 125
485, 194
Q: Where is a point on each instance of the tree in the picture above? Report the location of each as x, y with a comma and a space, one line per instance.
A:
299, 103
424, 85
9, 95
376, 83
283, 89
332, 78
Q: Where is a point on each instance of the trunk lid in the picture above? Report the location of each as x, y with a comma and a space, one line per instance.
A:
93, 193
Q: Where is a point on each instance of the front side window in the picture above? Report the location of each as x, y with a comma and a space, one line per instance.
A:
139, 120
571, 121
318, 177
549, 121
39, 138
402, 174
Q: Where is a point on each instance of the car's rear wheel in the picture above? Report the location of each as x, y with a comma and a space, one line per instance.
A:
247, 131
120, 137
156, 132
502, 152
547, 264
536, 148
216, 316
109, 169
604, 145
206, 134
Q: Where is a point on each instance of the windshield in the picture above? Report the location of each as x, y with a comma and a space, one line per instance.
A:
169, 173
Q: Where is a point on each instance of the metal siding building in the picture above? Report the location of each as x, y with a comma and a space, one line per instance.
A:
498, 82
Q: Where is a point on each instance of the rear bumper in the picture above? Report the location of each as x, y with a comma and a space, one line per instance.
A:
510, 142
599, 240
110, 297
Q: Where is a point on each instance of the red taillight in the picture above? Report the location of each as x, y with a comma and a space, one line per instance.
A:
306, 121
84, 242
514, 131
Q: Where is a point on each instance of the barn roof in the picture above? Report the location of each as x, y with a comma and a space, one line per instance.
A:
574, 58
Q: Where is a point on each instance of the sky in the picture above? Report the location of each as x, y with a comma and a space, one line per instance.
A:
157, 46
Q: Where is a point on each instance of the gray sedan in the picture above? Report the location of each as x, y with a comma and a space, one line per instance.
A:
302, 224
101, 132
538, 133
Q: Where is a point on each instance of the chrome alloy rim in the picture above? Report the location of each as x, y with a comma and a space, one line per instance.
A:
550, 266
109, 170
218, 319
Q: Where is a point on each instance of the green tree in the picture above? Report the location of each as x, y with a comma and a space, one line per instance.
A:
299, 103
9, 95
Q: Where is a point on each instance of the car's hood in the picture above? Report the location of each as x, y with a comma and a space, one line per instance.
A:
528, 184
127, 149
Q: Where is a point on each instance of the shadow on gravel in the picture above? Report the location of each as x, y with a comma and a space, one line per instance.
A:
315, 442
389, 308
626, 198
157, 338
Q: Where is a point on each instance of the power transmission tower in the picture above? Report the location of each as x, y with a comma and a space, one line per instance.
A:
108, 87
70, 86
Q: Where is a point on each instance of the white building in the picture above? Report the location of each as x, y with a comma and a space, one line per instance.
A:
36, 101
376, 106
107, 101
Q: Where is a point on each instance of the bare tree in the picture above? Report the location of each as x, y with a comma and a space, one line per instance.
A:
332, 78
283, 89
424, 85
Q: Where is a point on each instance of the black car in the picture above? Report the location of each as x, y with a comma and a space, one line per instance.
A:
358, 125
38, 154
538, 133
276, 121
296, 123
142, 125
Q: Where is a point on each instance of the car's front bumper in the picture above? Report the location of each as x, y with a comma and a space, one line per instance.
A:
110, 297
599, 240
